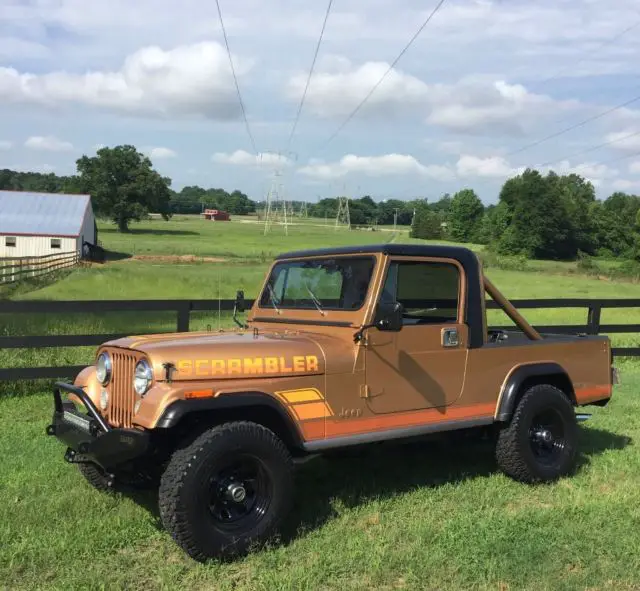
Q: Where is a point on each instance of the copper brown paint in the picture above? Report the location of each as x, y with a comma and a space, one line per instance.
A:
386, 382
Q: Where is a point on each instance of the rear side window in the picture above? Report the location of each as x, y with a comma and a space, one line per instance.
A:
429, 292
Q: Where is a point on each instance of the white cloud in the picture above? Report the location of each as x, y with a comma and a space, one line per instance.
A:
243, 158
592, 171
471, 105
5, 145
627, 141
389, 164
491, 106
625, 185
159, 153
490, 167
187, 80
634, 167
47, 143
336, 93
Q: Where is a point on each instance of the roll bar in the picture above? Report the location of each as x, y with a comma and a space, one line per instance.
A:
507, 307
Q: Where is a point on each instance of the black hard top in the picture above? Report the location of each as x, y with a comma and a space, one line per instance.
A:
474, 313
459, 253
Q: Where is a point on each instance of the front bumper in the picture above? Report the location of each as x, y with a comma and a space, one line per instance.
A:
89, 438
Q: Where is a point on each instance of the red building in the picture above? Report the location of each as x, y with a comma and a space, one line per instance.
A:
216, 215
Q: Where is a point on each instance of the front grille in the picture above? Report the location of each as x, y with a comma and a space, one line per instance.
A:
122, 397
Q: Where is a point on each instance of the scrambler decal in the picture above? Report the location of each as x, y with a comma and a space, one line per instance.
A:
297, 364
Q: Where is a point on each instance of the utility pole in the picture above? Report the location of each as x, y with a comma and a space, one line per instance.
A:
276, 209
395, 218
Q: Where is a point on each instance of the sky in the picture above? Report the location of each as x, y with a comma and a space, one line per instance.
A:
473, 101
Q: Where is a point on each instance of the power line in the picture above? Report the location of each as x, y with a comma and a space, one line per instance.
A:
379, 82
235, 79
575, 126
313, 64
604, 44
591, 149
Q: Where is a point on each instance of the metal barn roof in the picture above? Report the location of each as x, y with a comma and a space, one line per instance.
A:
42, 214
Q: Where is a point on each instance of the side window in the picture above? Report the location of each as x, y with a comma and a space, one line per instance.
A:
56, 243
429, 292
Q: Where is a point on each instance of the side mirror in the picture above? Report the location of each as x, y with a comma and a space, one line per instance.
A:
389, 316
240, 304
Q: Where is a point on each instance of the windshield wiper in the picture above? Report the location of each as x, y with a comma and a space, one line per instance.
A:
272, 295
314, 299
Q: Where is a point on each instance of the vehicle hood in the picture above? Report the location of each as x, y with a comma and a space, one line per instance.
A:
206, 355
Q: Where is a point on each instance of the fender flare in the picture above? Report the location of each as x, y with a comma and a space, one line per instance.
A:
511, 390
179, 409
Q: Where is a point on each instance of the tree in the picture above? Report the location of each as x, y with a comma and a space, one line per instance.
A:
539, 226
465, 216
123, 185
426, 224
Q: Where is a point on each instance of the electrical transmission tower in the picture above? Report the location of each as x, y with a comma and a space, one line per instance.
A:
277, 210
342, 217
303, 210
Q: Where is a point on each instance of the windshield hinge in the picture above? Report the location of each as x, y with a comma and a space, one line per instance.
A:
365, 391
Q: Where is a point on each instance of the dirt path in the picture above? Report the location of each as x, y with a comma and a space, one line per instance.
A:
183, 258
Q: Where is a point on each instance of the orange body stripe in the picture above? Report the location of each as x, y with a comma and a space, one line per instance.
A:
312, 429
313, 410
584, 395
428, 416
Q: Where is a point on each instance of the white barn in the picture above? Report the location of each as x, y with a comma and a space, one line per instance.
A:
38, 224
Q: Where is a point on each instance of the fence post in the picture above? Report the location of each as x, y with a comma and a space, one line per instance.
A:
593, 319
183, 317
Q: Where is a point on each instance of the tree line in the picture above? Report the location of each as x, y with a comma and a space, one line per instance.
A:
538, 216
124, 187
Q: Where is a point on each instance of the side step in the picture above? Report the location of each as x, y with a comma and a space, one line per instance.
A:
581, 417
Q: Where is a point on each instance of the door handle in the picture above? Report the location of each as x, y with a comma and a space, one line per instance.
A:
450, 337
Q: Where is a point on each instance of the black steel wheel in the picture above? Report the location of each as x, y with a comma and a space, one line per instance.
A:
540, 442
227, 491
241, 492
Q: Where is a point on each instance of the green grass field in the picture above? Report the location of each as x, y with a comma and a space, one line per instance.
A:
429, 516
398, 518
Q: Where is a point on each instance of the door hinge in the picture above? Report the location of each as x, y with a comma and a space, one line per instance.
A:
365, 392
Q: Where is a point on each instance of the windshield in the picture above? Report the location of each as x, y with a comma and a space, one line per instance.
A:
324, 284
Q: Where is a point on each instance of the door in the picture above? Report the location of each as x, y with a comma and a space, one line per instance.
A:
423, 365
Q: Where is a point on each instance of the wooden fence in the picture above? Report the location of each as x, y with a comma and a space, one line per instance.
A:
183, 309
14, 269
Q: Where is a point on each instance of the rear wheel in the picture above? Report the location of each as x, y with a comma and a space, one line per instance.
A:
226, 491
540, 442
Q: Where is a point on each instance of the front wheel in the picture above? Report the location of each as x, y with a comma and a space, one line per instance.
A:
227, 490
540, 443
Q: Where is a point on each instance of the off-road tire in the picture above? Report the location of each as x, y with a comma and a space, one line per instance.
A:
516, 443
97, 478
189, 510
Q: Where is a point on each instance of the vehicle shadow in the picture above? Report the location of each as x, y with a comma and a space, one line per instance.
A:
388, 470
394, 469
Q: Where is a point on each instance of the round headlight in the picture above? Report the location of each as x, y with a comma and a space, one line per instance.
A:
103, 368
143, 377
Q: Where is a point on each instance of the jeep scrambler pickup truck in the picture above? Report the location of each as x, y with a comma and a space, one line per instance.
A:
342, 347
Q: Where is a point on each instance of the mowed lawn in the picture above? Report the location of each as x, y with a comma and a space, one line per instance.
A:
429, 516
